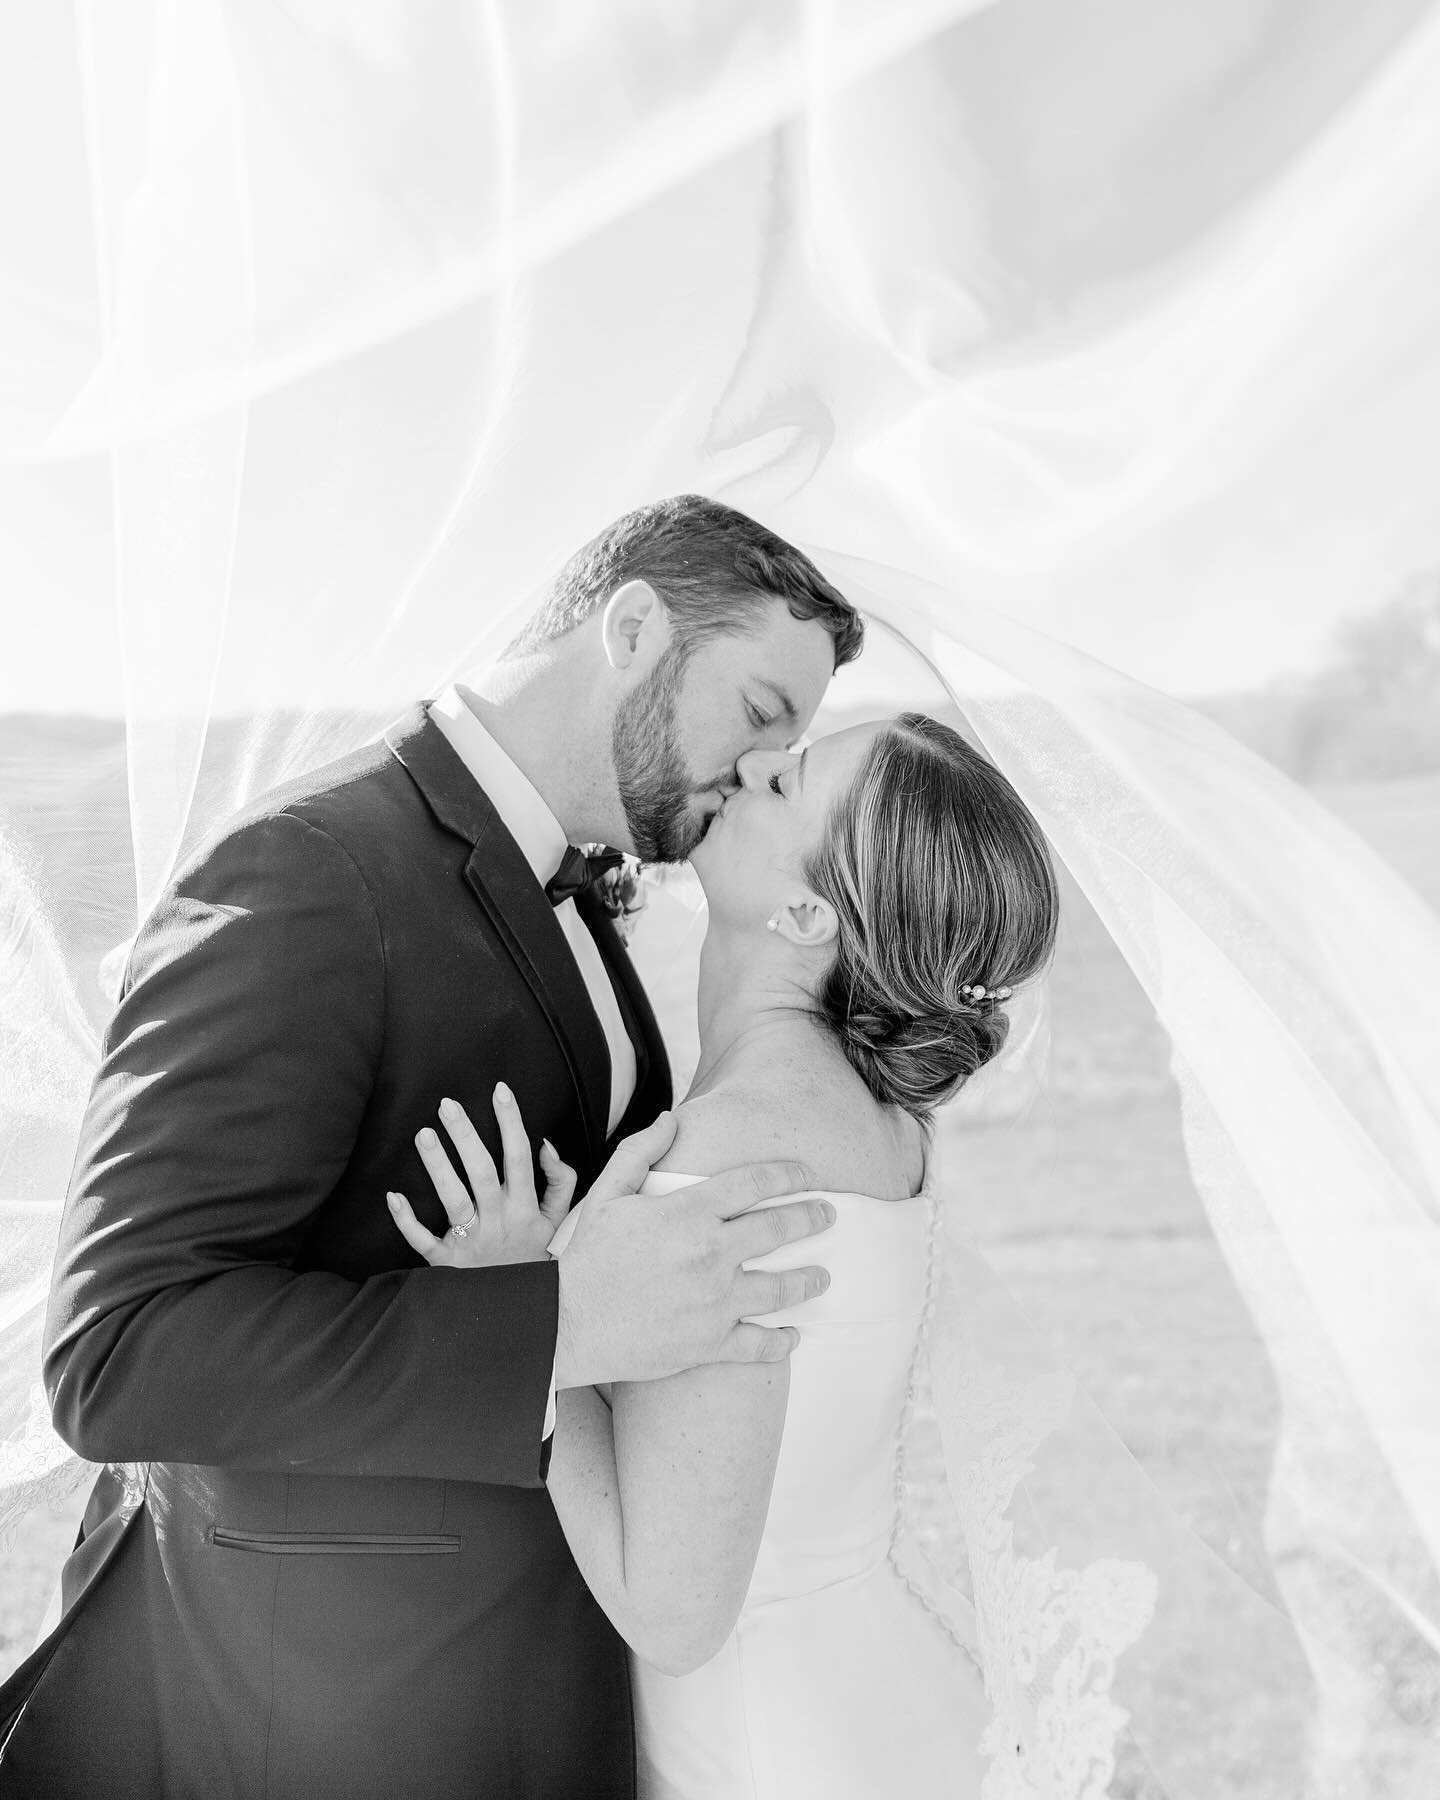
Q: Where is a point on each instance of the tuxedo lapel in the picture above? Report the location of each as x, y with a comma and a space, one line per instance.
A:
652, 1066
505, 886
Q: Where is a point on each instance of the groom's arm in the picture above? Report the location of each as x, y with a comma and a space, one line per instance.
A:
236, 1072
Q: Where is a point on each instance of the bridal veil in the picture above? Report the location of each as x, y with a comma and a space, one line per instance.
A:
1093, 350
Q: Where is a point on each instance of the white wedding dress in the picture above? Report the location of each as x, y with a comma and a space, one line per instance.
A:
836, 1683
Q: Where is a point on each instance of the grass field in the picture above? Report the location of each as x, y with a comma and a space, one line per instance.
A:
1087, 1208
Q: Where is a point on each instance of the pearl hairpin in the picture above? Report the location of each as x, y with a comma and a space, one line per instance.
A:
977, 992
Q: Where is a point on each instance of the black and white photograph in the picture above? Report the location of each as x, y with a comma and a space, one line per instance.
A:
720, 900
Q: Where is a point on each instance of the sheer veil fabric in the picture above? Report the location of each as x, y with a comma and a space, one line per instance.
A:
1090, 347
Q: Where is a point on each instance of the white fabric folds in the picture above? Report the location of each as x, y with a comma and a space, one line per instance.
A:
1092, 349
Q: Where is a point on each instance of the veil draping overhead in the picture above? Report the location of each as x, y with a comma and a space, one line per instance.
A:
1092, 349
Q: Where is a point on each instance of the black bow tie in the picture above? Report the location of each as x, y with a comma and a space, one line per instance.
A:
577, 871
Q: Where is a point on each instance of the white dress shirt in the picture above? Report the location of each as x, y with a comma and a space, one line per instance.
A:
542, 842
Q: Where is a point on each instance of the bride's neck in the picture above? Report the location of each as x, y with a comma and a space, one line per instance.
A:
761, 1040
754, 1014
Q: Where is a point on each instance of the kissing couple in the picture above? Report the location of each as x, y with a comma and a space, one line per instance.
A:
480, 1494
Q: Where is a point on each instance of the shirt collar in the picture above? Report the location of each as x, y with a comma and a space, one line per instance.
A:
514, 796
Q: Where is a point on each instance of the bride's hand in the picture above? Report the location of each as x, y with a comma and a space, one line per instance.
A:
503, 1222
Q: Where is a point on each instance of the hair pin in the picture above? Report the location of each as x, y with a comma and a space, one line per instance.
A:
977, 992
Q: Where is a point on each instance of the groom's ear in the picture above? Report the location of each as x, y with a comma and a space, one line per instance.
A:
634, 628
808, 922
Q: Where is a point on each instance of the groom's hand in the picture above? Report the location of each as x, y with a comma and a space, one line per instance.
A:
650, 1286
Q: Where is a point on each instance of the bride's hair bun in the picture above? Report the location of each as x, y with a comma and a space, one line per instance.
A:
946, 898
919, 1060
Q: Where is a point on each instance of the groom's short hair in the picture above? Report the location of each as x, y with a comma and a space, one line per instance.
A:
714, 568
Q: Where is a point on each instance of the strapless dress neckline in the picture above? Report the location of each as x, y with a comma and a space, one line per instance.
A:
667, 1180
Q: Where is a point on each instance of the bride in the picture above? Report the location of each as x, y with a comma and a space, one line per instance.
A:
873, 901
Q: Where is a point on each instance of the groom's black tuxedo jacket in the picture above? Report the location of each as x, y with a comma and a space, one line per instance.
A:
341, 1573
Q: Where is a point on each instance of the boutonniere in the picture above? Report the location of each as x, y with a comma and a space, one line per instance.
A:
622, 894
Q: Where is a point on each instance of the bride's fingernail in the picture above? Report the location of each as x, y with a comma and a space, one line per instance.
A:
448, 1106
503, 1094
393, 1201
546, 1147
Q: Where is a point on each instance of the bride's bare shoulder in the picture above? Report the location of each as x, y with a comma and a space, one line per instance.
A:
847, 1150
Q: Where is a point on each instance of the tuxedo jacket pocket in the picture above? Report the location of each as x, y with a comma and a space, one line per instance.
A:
336, 1543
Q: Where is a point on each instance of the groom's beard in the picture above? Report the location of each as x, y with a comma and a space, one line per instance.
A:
655, 785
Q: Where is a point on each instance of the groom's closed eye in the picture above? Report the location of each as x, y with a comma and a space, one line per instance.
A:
762, 719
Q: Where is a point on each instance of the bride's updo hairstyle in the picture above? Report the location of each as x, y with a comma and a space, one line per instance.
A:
942, 883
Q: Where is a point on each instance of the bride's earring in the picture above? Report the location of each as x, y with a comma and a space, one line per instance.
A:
773, 924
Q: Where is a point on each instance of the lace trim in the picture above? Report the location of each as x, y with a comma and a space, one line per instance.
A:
1050, 1636
927, 1548
1045, 1639
36, 1468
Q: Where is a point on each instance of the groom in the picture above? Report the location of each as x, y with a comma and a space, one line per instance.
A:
338, 1572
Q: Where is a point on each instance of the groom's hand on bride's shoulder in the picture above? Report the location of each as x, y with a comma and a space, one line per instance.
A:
650, 1285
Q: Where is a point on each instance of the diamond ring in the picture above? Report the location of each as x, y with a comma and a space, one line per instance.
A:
460, 1230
